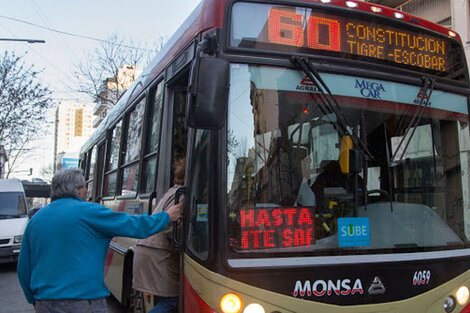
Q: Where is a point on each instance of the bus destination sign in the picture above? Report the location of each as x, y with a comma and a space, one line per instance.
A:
334, 33
276, 227
305, 30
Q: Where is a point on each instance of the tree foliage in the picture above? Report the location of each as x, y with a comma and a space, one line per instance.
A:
100, 67
23, 106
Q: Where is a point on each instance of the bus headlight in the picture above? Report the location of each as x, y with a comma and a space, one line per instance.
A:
462, 295
17, 239
254, 308
231, 303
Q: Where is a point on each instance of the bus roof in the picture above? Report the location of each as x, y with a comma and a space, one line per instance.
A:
209, 15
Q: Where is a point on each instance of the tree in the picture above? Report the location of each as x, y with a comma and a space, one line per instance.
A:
98, 75
24, 102
47, 172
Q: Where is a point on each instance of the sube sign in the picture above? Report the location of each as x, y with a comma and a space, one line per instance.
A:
353, 232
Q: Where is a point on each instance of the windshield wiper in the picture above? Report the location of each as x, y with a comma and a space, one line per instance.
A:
331, 105
422, 106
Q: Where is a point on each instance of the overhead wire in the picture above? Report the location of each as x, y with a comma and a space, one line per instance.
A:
66, 46
48, 21
74, 35
47, 60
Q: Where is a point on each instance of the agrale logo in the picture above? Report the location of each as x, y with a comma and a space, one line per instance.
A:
370, 89
424, 96
321, 287
376, 288
306, 84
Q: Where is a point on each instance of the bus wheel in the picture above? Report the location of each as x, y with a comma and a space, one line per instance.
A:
136, 302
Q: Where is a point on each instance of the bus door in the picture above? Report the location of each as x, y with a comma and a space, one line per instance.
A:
173, 143
179, 150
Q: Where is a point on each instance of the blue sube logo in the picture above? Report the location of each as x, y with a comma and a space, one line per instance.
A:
353, 231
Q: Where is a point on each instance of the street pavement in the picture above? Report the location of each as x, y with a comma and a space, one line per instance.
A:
12, 299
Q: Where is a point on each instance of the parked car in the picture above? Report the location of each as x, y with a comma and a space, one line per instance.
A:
13, 219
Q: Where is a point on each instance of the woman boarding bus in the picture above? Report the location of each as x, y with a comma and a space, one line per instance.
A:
327, 159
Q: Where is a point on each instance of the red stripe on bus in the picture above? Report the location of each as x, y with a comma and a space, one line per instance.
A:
109, 258
466, 309
192, 302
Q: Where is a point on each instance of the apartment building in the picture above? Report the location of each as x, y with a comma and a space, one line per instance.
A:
73, 126
112, 89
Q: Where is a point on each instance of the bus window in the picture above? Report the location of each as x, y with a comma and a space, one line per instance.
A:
109, 188
114, 147
155, 114
130, 169
82, 164
153, 140
198, 235
92, 164
91, 172
179, 136
99, 170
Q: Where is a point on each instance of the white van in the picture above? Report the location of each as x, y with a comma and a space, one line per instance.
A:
13, 219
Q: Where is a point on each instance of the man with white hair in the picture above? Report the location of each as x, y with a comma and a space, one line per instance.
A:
64, 247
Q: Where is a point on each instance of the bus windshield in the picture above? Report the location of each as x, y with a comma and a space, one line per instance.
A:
289, 191
12, 205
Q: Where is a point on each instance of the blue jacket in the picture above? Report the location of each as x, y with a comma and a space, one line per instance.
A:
65, 245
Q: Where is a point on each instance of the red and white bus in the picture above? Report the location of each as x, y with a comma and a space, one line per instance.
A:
327, 149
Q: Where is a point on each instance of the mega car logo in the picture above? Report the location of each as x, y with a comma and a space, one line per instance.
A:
370, 89
319, 288
306, 84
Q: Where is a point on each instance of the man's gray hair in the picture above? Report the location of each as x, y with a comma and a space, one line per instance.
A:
65, 183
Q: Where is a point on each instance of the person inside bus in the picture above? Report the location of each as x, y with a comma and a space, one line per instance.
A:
156, 264
63, 252
330, 176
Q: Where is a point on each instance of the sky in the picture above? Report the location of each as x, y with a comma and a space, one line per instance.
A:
139, 20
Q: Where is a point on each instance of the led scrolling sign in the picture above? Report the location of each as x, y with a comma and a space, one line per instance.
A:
297, 29
276, 227
357, 37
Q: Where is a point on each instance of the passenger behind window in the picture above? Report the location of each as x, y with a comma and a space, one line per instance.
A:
156, 264
330, 176
306, 197
340, 188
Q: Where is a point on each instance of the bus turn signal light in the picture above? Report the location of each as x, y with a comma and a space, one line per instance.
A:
231, 303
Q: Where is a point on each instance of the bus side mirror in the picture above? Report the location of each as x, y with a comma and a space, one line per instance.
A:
208, 93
